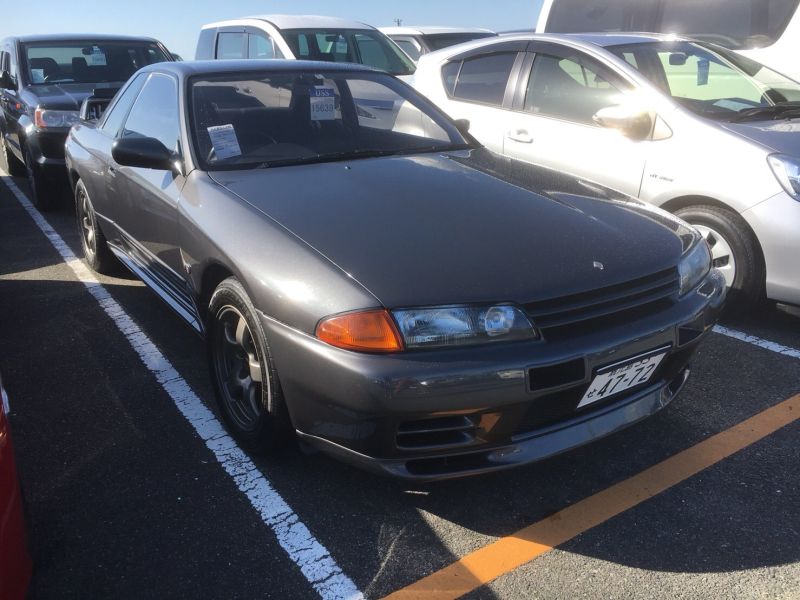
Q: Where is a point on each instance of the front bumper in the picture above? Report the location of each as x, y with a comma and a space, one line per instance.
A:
47, 150
441, 414
776, 223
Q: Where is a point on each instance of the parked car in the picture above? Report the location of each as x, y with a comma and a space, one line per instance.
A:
15, 563
691, 127
767, 31
304, 37
401, 298
416, 41
43, 81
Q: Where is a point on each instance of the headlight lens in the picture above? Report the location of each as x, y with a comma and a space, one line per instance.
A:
463, 325
694, 266
787, 171
44, 118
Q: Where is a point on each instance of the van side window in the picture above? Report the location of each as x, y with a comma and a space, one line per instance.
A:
231, 45
484, 78
570, 88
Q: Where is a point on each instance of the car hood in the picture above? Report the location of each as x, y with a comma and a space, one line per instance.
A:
65, 96
467, 227
779, 136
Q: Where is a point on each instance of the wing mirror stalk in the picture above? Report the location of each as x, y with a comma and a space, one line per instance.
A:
145, 153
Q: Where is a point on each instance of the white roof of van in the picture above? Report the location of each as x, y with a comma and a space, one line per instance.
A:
431, 30
307, 21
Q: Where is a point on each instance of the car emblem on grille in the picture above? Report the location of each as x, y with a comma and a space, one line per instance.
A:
598, 265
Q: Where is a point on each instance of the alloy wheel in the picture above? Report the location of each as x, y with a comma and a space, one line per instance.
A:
722, 256
87, 223
238, 368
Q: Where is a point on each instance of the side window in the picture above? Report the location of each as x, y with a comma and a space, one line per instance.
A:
231, 46
409, 46
116, 113
483, 79
155, 112
570, 88
12, 65
449, 76
372, 53
260, 45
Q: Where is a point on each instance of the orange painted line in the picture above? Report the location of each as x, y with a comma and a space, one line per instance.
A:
508, 553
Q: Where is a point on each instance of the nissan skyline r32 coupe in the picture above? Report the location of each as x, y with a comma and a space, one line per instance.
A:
371, 279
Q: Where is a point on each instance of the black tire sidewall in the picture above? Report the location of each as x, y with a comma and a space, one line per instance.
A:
272, 428
102, 261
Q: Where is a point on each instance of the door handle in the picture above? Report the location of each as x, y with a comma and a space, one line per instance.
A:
520, 135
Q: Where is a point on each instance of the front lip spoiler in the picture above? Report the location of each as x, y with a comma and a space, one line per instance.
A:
524, 448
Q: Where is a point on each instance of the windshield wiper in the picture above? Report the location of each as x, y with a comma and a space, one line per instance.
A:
781, 110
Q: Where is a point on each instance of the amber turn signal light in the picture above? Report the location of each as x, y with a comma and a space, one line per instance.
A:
365, 331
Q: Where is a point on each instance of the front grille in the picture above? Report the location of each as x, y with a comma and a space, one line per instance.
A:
558, 318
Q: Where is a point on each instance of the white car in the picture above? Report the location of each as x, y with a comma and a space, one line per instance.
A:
768, 31
690, 127
416, 41
302, 37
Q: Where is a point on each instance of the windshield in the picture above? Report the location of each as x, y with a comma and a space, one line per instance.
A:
266, 120
364, 46
88, 62
731, 23
709, 80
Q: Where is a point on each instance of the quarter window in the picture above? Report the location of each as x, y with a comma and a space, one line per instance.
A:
484, 79
570, 88
155, 112
116, 114
230, 46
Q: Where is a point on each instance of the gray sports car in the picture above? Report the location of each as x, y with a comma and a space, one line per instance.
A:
368, 277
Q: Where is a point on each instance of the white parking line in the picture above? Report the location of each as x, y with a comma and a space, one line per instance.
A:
313, 559
757, 341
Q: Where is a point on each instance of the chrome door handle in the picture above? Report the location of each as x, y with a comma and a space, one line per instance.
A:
520, 135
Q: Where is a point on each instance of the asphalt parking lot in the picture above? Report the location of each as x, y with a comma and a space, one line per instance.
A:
133, 491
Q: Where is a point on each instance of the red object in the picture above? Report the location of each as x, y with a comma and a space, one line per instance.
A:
15, 563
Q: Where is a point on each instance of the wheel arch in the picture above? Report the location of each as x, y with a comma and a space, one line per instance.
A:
213, 274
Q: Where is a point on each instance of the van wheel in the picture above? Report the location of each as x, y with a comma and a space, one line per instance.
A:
734, 251
43, 193
8, 162
243, 373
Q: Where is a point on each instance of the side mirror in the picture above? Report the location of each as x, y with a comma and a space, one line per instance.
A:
632, 122
463, 126
92, 108
6, 82
145, 153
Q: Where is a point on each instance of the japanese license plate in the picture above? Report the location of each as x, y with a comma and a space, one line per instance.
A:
622, 376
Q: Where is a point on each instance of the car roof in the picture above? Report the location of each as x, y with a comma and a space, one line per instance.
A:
299, 22
190, 68
431, 30
81, 37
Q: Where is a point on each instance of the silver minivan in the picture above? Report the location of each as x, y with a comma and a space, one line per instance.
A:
688, 126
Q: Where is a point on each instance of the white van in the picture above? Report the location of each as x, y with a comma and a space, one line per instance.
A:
768, 31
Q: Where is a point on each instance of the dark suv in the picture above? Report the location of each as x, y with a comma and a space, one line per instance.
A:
43, 81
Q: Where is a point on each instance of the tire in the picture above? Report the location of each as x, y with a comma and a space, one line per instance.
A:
95, 247
238, 354
43, 194
8, 162
734, 251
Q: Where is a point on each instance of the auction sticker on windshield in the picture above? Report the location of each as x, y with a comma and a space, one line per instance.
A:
224, 141
622, 376
323, 104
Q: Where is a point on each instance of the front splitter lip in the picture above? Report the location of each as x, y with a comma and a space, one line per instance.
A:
524, 448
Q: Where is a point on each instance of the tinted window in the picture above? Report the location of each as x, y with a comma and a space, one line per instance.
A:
155, 112
731, 23
408, 46
449, 76
231, 46
483, 79
438, 41
260, 45
116, 114
570, 88
87, 62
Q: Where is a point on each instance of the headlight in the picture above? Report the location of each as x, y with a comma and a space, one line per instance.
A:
694, 266
462, 325
787, 171
45, 119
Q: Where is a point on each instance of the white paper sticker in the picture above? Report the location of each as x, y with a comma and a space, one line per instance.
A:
223, 138
97, 58
341, 47
323, 104
37, 75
